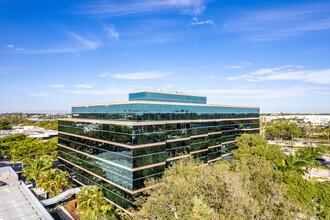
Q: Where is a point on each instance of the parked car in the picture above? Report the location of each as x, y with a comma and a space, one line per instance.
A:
29, 184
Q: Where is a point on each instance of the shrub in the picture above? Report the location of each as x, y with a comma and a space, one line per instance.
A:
71, 205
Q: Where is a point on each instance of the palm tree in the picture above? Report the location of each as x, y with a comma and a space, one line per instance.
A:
310, 154
301, 161
100, 213
53, 181
36, 169
92, 204
90, 197
292, 163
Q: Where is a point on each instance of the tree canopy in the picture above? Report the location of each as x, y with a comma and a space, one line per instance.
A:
53, 181
284, 128
250, 187
19, 147
38, 167
254, 145
93, 206
8, 120
245, 189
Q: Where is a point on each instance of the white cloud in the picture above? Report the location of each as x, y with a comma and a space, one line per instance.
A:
234, 67
201, 23
274, 24
88, 44
10, 45
126, 8
242, 65
57, 86
83, 86
103, 74
80, 44
15, 88
288, 72
19, 49
140, 75
112, 31
39, 94
210, 78
110, 91
168, 86
262, 93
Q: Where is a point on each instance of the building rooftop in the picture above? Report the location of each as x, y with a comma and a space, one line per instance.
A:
17, 201
163, 98
163, 92
160, 96
7, 174
30, 131
160, 103
20, 203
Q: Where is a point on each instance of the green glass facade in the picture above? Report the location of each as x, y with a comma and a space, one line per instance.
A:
118, 146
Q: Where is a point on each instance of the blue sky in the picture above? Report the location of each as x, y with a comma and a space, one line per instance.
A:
272, 54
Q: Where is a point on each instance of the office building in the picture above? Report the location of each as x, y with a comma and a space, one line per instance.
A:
119, 145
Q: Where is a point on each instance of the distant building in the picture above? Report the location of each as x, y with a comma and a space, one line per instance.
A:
262, 119
36, 118
315, 120
117, 146
54, 116
16, 200
30, 131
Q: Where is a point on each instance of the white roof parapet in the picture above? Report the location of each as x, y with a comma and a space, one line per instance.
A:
20, 203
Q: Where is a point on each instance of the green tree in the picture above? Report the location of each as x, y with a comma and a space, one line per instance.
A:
308, 195
322, 198
7, 141
311, 197
52, 125
292, 163
30, 148
324, 149
300, 161
38, 167
5, 125
245, 189
8, 120
310, 154
254, 145
282, 129
53, 181
92, 204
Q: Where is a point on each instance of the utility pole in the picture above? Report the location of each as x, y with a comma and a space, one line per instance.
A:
292, 142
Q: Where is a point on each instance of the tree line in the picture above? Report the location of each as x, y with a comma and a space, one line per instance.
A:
286, 128
7, 122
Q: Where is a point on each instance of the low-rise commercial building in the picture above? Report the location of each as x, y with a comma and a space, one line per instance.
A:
17, 201
30, 131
